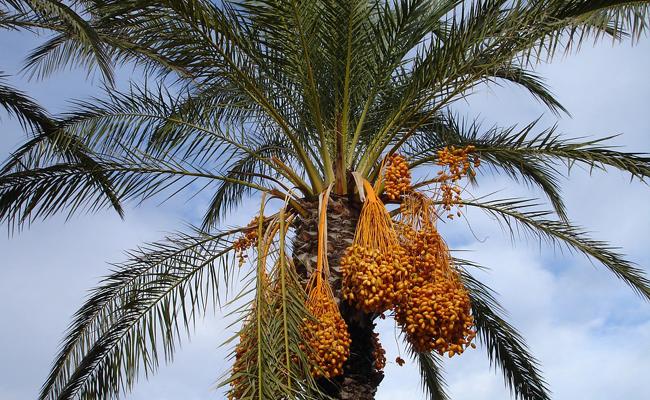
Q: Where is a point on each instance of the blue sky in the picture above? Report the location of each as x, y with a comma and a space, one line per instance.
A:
589, 331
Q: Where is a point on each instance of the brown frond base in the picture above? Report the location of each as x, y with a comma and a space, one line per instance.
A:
360, 379
342, 217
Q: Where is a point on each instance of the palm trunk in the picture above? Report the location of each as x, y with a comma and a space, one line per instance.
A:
360, 379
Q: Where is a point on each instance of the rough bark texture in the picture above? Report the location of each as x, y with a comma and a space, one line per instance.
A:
360, 379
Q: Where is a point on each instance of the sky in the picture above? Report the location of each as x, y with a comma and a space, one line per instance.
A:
589, 331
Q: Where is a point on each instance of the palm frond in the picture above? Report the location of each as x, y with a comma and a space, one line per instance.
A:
37, 157
35, 193
156, 122
523, 154
572, 23
240, 63
79, 34
270, 360
135, 318
247, 168
481, 39
46, 145
16, 19
449, 131
516, 213
531, 82
207, 129
30, 114
189, 33
443, 70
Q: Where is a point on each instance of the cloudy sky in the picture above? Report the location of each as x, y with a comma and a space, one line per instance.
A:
589, 331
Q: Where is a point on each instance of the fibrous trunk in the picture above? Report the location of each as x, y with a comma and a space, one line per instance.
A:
360, 379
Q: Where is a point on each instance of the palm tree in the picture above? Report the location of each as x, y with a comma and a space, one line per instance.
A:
301, 102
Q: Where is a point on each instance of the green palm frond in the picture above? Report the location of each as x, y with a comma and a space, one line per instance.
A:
529, 81
449, 131
598, 19
240, 63
91, 51
13, 20
270, 360
42, 165
289, 304
487, 37
159, 123
247, 168
203, 32
114, 144
524, 154
20, 106
443, 70
260, 370
534, 31
295, 35
505, 346
516, 213
200, 129
135, 318
27, 195
46, 146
